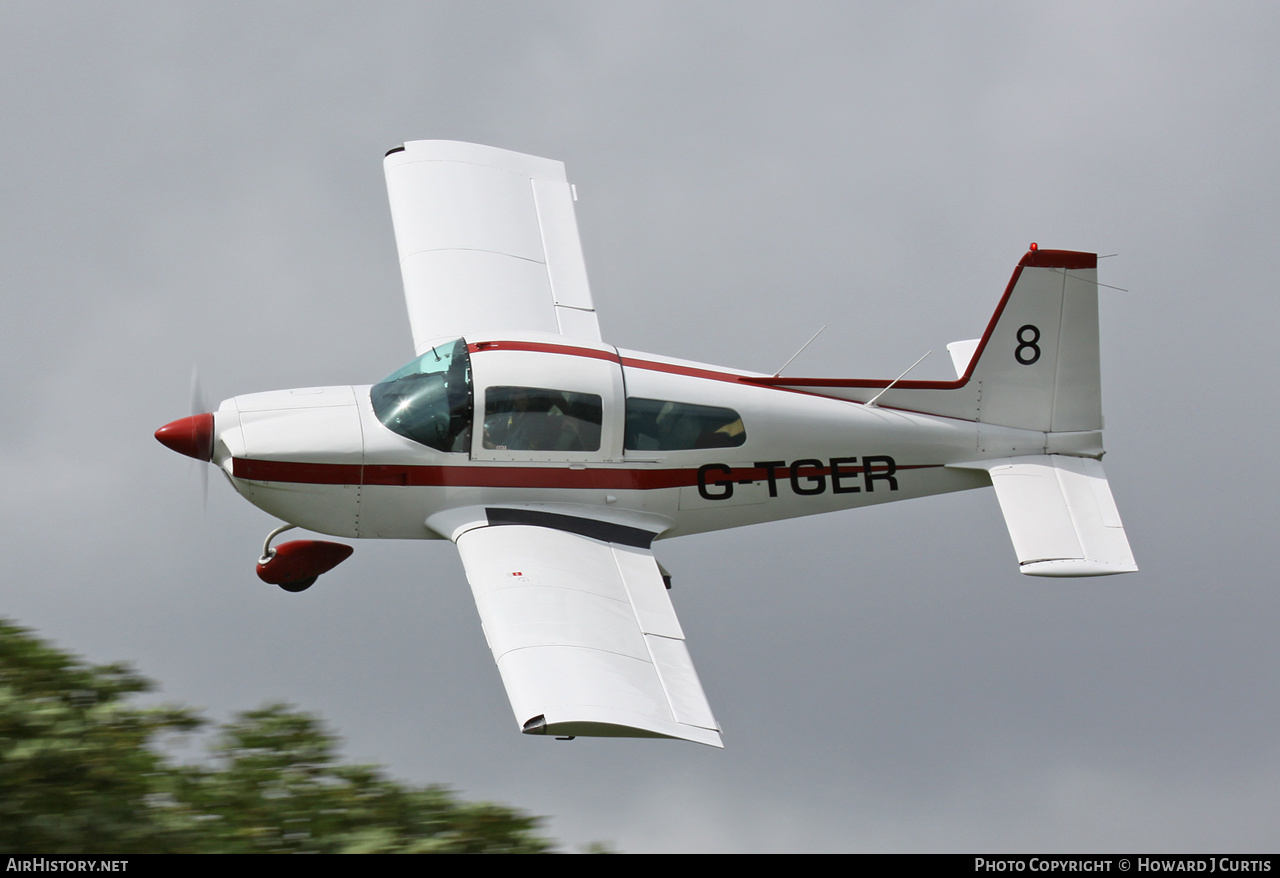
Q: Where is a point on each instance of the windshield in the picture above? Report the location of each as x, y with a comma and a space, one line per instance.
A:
429, 400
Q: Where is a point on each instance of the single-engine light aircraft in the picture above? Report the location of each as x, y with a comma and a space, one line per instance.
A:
553, 461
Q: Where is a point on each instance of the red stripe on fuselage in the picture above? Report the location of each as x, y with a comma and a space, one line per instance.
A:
540, 347
611, 356
492, 476
691, 371
290, 471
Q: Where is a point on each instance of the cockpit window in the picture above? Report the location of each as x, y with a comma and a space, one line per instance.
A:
429, 400
659, 425
541, 419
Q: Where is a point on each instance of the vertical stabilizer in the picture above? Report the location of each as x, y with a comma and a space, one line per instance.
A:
1037, 365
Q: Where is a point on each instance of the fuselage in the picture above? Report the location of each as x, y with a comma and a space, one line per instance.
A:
511, 421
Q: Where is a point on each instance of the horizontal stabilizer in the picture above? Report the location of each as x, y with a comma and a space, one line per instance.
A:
962, 354
1060, 514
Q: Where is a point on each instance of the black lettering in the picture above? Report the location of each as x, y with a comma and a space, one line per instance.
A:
770, 468
837, 474
869, 477
1027, 344
725, 483
819, 478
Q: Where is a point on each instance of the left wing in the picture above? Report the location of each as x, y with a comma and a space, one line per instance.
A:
488, 242
578, 617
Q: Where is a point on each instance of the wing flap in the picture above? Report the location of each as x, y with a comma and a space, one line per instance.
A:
566, 267
680, 682
488, 242
584, 634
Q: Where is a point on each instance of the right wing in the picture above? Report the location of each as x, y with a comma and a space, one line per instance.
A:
578, 617
488, 242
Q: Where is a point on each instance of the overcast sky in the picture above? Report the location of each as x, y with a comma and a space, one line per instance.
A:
202, 183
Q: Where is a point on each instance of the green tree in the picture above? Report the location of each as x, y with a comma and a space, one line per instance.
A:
78, 764
83, 770
276, 785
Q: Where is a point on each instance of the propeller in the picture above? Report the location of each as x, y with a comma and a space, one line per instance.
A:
192, 435
199, 406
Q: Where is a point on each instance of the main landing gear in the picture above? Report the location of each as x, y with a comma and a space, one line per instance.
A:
295, 565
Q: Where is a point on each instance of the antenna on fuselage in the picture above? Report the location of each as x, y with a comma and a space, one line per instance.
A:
798, 353
873, 399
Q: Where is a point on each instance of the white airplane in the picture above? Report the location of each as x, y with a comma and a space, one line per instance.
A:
554, 461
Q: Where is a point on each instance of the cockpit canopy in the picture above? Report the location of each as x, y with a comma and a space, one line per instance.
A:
430, 400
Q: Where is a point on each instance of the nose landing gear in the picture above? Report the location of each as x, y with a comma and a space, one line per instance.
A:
295, 565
